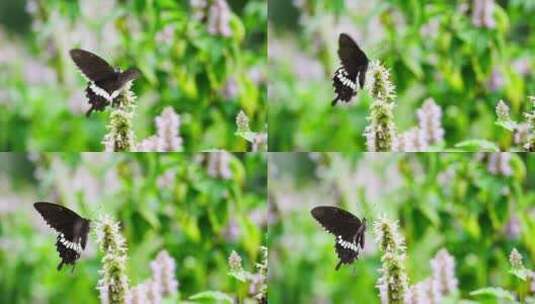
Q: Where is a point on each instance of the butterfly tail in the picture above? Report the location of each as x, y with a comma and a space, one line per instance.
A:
333, 103
338, 266
60, 265
88, 113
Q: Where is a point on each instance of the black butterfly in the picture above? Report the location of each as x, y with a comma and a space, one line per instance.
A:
72, 229
105, 83
354, 64
347, 228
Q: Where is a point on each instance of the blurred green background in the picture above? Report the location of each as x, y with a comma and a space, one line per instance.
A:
198, 207
477, 206
464, 58
207, 63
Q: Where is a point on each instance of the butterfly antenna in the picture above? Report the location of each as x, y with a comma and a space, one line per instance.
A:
73, 266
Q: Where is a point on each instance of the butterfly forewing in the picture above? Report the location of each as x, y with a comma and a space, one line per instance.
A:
337, 221
91, 65
352, 57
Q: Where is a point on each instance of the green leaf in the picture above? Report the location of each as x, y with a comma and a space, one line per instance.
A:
216, 296
239, 275
495, 292
478, 145
521, 273
413, 64
248, 136
509, 125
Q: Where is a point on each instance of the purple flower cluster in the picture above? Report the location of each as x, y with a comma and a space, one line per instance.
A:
162, 284
499, 164
429, 121
167, 138
217, 13
163, 273
441, 283
482, 13
428, 132
218, 164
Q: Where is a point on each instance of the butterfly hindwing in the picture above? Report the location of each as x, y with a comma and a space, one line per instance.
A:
346, 255
72, 230
352, 57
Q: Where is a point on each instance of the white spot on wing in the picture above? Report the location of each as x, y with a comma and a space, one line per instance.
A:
347, 245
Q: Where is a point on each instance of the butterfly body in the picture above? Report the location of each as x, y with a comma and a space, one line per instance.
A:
104, 82
72, 230
347, 228
353, 69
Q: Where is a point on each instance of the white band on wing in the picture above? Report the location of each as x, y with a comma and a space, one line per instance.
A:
341, 74
100, 92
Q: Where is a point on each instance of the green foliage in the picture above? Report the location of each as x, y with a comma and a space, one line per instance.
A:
496, 293
212, 297
476, 206
177, 202
432, 50
207, 78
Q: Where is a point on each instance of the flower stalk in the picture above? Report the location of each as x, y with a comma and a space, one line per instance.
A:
530, 120
393, 284
524, 132
257, 281
113, 284
120, 136
258, 140
381, 131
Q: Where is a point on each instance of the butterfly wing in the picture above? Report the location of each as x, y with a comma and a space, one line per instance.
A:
354, 64
347, 228
92, 66
58, 217
129, 75
72, 230
346, 255
337, 221
352, 57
